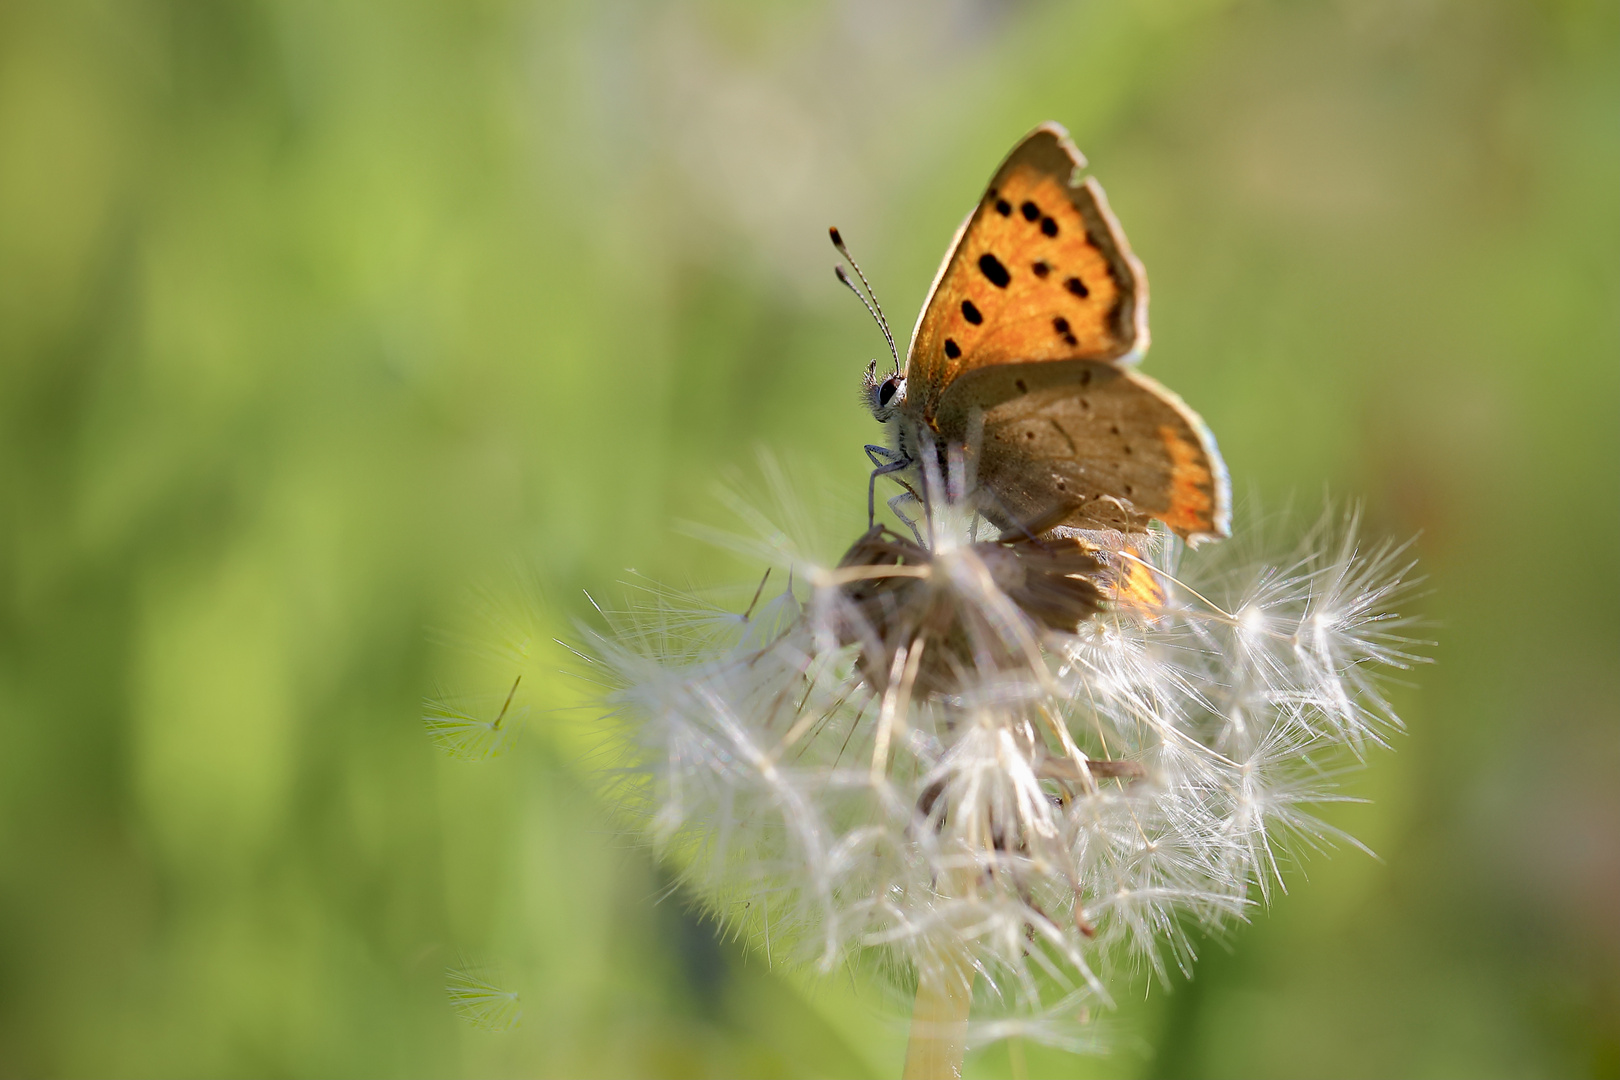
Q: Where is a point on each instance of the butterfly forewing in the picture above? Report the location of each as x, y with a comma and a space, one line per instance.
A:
1040, 271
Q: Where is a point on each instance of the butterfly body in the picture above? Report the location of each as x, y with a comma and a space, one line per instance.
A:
1023, 355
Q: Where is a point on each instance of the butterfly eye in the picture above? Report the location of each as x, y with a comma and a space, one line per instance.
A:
886, 392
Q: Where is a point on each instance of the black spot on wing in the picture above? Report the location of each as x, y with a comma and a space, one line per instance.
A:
1078, 287
1060, 324
1029, 210
1048, 226
971, 313
1041, 269
1003, 207
991, 268
952, 349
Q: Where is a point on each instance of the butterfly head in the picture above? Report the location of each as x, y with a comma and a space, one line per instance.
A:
883, 395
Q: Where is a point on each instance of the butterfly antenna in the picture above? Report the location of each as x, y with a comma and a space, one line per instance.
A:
872, 306
877, 318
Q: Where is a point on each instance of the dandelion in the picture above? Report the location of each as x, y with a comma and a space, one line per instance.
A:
1011, 766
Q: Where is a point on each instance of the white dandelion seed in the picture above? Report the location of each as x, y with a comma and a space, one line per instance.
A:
465, 736
479, 1001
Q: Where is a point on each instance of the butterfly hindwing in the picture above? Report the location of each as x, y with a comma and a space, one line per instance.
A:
1086, 444
1040, 271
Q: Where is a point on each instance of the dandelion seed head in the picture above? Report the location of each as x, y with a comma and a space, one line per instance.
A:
986, 747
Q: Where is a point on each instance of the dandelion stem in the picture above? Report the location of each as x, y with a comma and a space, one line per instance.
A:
939, 1019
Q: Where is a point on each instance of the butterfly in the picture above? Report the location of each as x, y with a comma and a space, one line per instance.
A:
1024, 356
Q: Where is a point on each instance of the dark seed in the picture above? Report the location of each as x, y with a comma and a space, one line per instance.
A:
991, 267
1030, 211
1078, 287
952, 350
971, 313
1048, 226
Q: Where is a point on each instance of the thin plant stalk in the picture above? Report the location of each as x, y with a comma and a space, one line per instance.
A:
939, 1019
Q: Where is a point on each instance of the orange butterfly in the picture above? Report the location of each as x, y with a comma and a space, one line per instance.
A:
1024, 356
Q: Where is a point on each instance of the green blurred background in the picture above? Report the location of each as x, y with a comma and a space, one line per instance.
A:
319, 321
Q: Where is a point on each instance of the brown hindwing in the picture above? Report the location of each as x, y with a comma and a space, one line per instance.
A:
1088, 445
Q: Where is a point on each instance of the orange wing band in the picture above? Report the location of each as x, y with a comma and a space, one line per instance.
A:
1192, 486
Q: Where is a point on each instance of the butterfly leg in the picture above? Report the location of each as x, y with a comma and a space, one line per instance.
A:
894, 506
887, 461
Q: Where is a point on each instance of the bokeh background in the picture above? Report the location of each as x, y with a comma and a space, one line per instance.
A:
332, 331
